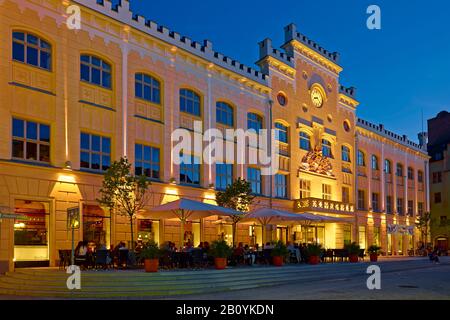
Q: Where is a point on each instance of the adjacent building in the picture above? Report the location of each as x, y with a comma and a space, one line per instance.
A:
73, 101
439, 151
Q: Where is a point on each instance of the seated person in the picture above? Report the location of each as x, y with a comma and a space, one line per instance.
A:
249, 255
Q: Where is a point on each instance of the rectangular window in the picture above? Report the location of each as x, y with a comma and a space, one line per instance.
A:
362, 237
254, 177
147, 161
410, 207
437, 197
400, 206
30, 141
420, 176
437, 177
95, 152
305, 189
281, 185
420, 208
410, 173
326, 191
361, 200
190, 169
224, 175
345, 195
347, 234
375, 206
388, 204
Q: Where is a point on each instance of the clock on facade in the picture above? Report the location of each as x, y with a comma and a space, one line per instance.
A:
316, 97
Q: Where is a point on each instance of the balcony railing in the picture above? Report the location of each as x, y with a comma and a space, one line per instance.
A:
322, 205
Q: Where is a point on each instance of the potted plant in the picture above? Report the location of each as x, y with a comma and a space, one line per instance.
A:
150, 254
220, 250
353, 251
314, 251
374, 251
278, 253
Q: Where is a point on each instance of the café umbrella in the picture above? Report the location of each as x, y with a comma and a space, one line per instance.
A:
265, 216
184, 210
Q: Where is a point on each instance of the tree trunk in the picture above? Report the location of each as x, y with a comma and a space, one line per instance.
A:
132, 235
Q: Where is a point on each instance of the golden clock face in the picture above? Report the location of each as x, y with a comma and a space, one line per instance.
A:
316, 97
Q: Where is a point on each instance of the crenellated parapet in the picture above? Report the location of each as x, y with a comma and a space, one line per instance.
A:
383, 133
297, 42
347, 96
123, 14
271, 57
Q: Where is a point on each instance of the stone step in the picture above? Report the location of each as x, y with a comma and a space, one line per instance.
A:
130, 292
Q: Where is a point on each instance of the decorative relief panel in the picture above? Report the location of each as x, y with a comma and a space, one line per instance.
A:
315, 162
33, 77
96, 95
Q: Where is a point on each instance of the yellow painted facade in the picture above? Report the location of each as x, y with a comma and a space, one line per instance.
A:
69, 106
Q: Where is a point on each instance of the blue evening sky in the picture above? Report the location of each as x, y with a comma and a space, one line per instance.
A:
398, 70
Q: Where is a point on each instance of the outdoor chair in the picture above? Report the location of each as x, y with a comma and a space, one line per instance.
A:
198, 260
361, 254
64, 259
101, 259
328, 255
338, 254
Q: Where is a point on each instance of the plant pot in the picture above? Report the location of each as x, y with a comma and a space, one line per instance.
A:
151, 265
277, 261
220, 263
373, 257
313, 259
353, 258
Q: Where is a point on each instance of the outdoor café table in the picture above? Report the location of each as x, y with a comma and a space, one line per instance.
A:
182, 259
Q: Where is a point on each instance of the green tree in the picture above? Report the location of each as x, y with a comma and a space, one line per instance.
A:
423, 224
123, 191
237, 196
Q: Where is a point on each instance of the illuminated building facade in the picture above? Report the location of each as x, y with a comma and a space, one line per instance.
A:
72, 101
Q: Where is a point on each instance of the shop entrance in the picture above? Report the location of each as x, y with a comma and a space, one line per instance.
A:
31, 233
282, 234
442, 243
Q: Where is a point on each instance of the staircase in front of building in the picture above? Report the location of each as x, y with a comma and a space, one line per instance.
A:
136, 283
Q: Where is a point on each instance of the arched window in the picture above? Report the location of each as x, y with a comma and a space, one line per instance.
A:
190, 102
254, 121
387, 166
281, 133
305, 141
95, 70
148, 88
374, 162
361, 159
326, 148
224, 114
399, 170
32, 50
346, 154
